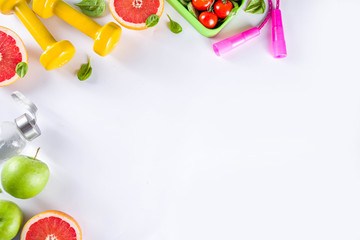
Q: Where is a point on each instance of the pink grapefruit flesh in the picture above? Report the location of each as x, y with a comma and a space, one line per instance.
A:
12, 52
51, 225
133, 13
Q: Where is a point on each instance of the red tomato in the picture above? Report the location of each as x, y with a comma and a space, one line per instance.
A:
222, 9
208, 19
202, 5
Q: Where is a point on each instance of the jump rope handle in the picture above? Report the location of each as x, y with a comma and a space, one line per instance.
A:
230, 43
278, 39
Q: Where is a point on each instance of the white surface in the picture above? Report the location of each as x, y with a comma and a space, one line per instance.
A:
166, 141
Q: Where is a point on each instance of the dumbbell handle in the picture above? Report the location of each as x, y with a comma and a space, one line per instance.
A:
34, 25
76, 19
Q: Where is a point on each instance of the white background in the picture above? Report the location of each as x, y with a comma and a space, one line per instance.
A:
167, 141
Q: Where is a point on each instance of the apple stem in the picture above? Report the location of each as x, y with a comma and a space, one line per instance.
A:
37, 153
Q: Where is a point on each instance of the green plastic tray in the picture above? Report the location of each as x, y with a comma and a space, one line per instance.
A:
195, 23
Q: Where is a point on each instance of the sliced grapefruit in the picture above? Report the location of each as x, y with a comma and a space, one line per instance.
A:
133, 13
12, 52
51, 225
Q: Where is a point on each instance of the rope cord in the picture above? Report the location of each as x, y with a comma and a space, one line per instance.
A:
268, 16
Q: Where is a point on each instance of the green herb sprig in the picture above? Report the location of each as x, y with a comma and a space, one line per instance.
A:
184, 2
21, 69
174, 26
256, 7
193, 10
92, 8
85, 71
152, 20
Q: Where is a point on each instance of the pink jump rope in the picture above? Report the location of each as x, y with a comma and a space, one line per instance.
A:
278, 40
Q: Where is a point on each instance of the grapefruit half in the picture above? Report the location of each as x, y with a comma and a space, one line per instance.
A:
132, 14
51, 225
12, 52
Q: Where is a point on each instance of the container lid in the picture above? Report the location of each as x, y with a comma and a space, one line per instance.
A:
27, 122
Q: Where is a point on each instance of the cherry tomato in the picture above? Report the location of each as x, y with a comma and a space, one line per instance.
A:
222, 9
202, 5
208, 19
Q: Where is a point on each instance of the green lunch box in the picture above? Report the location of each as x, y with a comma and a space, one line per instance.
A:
196, 24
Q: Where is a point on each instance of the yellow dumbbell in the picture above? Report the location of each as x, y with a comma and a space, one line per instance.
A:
56, 54
105, 37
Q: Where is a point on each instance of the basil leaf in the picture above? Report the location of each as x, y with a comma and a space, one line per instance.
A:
174, 26
256, 7
152, 20
84, 71
92, 8
235, 9
183, 2
193, 10
21, 69
235, 4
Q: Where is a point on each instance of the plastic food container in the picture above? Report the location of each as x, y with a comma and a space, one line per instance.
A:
195, 23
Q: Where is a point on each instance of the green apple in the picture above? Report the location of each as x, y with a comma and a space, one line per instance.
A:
11, 219
24, 177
